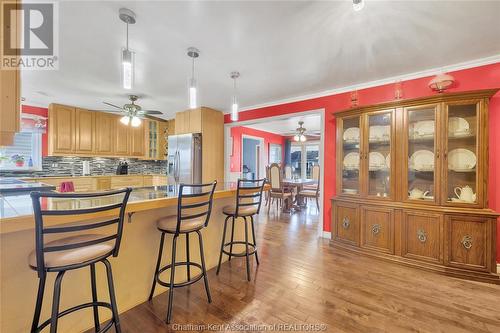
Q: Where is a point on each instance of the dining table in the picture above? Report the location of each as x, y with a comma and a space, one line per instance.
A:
298, 184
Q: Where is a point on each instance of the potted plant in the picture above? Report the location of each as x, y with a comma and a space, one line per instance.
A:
18, 159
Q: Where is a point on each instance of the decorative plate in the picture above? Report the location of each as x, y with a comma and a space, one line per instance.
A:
423, 128
351, 134
351, 161
458, 126
388, 161
376, 161
378, 133
422, 160
461, 159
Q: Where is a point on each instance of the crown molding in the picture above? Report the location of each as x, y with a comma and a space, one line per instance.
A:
405, 77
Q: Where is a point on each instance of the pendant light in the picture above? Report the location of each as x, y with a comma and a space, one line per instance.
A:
127, 16
193, 53
234, 102
357, 5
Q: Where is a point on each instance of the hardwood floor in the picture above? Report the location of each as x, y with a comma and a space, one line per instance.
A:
302, 280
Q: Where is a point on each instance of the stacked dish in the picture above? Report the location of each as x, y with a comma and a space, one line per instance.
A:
458, 127
351, 161
376, 161
461, 160
379, 133
422, 129
422, 160
351, 135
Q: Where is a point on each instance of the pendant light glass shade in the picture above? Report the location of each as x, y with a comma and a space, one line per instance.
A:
125, 120
234, 104
127, 69
193, 94
135, 122
358, 4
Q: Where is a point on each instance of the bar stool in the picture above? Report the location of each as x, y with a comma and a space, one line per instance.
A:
248, 200
194, 207
77, 251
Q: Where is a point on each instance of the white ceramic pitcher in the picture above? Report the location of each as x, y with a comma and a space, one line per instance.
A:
465, 193
417, 193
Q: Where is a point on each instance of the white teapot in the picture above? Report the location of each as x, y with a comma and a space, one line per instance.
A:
417, 193
465, 193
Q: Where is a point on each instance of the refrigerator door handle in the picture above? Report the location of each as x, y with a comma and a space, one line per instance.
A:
178, 164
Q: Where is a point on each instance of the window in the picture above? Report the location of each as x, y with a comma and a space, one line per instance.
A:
274, 153
25, 154
296, 159
312, 158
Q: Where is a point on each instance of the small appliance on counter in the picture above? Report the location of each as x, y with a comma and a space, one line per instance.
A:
86, 168
122, 168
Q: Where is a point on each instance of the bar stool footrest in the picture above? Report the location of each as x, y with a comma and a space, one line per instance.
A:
80, 307
240, 254
182, 284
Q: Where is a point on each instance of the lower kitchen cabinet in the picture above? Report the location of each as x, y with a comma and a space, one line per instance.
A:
377, 229
422, 236
468, 243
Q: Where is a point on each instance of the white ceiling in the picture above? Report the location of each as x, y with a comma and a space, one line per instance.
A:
312, 123
282, 49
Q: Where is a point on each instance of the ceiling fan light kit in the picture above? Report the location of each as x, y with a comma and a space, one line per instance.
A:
300, 136
127, 16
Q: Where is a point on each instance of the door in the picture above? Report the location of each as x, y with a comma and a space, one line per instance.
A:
377, 229
257, 162
137, 144
349, 156
378, 166
346, 223
421, 148
61, 129
185, 158
122, 139
464, 154
422, 236
84, 131
104, 133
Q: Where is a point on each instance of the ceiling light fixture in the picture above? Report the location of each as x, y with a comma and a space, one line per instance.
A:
193, 53
358, 4
441, 82
127, 16
234, 103
135, 121
300, 136
125, 120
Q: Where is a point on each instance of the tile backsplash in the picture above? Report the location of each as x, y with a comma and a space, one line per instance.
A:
73, 166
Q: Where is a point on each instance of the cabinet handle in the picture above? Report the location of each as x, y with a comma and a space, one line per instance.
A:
346, 223
376, 229
437, 153
467, 242
422, 237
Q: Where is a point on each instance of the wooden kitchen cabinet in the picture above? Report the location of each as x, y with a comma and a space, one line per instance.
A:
10, 87
189, 121
137, 144
422, 235
156, 139
61, 130
377, 229
346, 226
84, 131
104, 133
121, 139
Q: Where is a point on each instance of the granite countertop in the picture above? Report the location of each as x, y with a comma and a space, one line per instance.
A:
15, 207
94, 176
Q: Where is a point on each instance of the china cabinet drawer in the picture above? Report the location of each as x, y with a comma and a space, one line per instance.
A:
346, 223
467, 241
422, 236
377, 229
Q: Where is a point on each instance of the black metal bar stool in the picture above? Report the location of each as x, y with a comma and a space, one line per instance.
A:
193, 213
248, 201
77, 251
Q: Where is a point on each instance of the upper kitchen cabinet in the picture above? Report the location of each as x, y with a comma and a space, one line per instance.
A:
156, 138
104, 133
84, 131
189, 121
137, 144
61, 129
10, 90
121, 139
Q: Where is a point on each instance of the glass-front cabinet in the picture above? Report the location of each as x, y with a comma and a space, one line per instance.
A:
463, 155
349, 154
421, 150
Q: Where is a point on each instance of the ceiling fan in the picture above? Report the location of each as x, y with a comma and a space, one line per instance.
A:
132, 113
299, 134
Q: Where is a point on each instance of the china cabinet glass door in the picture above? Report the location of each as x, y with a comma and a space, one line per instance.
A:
350, 154
422, 151
462, 154
377, 157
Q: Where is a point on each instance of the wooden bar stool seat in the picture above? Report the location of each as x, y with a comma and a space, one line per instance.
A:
78, 251
248, 201
194, 208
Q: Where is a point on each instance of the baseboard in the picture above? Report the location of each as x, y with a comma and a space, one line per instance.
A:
328, 235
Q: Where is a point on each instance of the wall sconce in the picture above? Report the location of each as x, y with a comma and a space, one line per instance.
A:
354, 98
441, 82
398, 90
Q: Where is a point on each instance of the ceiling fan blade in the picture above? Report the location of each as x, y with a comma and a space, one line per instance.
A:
109, 111
115, 106
152, 112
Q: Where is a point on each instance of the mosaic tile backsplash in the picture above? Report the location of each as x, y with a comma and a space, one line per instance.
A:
73, 166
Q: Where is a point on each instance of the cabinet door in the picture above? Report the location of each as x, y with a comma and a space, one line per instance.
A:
181, 122
195, 121
104, 133
468, 244
122, 139
84, 131
349, 156
61, 129
377, 162
137, 144
377, 229
422, 236
421, 140
464, 153
346, 223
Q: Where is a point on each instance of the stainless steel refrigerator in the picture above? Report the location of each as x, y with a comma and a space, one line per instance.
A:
184, 159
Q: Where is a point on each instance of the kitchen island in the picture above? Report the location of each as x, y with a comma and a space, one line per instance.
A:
133, 269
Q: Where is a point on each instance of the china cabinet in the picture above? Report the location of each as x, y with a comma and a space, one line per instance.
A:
413, 184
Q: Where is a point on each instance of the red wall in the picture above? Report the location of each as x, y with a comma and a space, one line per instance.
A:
237, 133
483, 77
44, 112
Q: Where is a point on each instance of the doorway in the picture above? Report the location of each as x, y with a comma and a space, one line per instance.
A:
251, 149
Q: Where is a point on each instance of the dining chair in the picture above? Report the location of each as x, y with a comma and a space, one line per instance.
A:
278, 192
310, 193
315, 176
